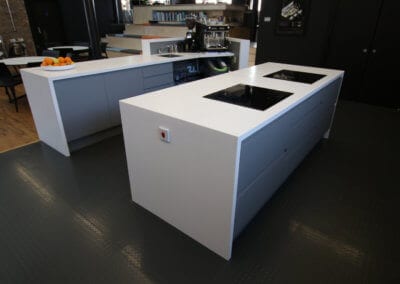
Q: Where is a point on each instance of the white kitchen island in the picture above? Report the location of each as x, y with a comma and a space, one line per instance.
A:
207, 166
77, 107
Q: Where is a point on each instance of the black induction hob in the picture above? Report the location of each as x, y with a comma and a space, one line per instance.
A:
249, 96
296, 76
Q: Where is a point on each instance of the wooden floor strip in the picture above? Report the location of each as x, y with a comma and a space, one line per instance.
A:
16, 128
19, 146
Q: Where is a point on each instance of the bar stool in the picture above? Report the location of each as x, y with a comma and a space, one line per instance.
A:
51, 53
64, 51
8, 81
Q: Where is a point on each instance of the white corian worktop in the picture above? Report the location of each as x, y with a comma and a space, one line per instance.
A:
186, 102
119, 63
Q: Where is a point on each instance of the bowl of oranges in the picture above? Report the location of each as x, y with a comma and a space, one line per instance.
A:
55, 64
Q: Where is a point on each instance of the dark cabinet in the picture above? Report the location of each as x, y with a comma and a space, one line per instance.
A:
358, 36
381, 75
363, 43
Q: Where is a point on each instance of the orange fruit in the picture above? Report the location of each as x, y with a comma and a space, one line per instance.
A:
48, 60
60, 59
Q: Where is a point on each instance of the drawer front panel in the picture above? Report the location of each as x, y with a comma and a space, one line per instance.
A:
158, 69
158, 88
155, 81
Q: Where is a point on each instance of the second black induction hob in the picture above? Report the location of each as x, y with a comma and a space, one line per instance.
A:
249, 96
296, 76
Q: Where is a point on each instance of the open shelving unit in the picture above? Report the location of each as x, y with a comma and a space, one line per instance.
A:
176, 14
174, 17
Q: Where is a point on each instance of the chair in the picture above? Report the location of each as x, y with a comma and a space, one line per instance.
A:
64, 51
8, 81
55, 43
103, 47
3, 53
51, 53
33, 64
80, 43
81, 55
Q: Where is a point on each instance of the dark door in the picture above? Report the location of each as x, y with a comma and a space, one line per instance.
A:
350, 41
382, 74
46, 23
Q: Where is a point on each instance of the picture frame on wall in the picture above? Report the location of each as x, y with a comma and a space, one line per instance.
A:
292, 17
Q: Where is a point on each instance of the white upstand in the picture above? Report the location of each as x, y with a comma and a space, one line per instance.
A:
223, 161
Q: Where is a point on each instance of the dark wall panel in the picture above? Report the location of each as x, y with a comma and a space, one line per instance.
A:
105, 13
74, 20
308, 48
46, 21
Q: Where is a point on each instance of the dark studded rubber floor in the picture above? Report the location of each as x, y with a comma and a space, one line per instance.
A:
335, 220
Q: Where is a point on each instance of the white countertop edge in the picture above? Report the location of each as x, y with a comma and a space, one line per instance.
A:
163, 39
118, 63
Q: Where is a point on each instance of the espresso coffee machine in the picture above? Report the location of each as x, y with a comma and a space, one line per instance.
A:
212, 37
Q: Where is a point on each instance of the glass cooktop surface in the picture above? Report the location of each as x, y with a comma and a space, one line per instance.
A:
296, 76
249, 96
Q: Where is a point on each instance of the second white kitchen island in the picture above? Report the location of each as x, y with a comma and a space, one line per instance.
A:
206, 165
80, 106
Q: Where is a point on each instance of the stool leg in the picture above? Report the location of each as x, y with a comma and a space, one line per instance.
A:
14, 98
8, 95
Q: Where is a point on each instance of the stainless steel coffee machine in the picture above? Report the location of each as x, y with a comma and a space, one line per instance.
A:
16, 47
212, 37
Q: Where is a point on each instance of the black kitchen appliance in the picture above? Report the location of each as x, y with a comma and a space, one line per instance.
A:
189, 44
212, 37
195, 69
214, 66
186, 71
249, 96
